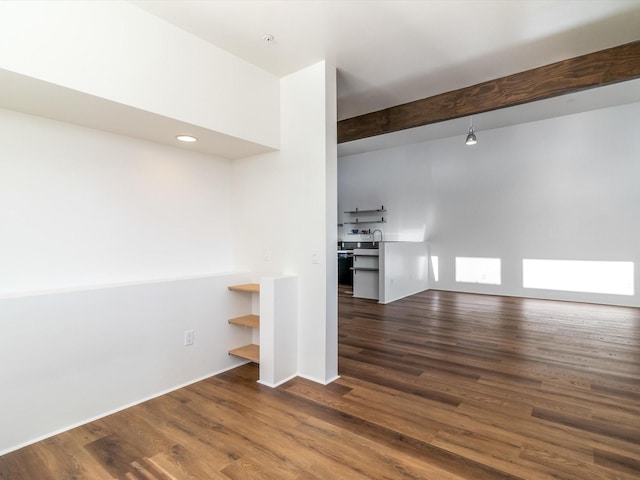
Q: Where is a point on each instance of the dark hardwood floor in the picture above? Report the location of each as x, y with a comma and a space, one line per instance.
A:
438, 386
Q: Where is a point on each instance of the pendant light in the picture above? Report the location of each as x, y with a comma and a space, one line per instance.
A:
471, 137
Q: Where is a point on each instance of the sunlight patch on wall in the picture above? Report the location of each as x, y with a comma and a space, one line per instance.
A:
586, 276
478, 270
434, 266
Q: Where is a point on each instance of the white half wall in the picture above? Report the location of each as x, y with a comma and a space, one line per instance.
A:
68, 358
82, 207
278, 330
285, 213
404, 269
563, 188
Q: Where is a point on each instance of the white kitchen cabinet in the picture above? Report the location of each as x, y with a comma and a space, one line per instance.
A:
366, 278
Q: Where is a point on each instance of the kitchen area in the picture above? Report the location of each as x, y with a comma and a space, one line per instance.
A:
372, 268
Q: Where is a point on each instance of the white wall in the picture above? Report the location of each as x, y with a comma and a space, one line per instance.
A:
114, 50
68, 358
285, 213
563, 188
110, 248
397, 179
97, 226
82, 207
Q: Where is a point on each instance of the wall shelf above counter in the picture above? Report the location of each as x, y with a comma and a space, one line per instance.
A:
359, 222
368, 216
366, 212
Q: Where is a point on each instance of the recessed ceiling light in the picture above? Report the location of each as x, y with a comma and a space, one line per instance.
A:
186, 138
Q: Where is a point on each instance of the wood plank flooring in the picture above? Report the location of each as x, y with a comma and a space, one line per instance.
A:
440, 385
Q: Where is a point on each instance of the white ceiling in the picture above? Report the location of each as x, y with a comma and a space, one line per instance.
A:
390, 52
387, 52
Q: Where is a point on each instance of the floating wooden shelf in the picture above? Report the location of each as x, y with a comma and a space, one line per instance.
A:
358, 222
252, 321
250, 352
375, 210
247, 287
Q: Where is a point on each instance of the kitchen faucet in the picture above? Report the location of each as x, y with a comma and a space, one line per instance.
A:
373, 236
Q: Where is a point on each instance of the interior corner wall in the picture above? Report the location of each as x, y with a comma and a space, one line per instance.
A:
563, 188
285, 214
110, 249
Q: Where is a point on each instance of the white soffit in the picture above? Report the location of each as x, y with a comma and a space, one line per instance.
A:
36, 97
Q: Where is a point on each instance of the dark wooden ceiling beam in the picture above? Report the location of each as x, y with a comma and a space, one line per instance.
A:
597, 69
